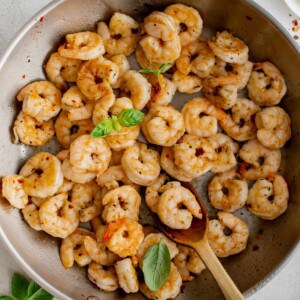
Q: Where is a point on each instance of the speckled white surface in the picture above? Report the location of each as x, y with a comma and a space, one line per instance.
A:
13, 14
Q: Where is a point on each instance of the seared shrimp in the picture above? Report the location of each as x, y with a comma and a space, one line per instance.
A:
187, 20
61, 70
41, 100
87, 198
169, 290
268, 198
259, 162
163, 125
43, 175
14, 191
201, 117
187, 84
225, 149
162, 43
196, 58
121, 35
82, 45
228, 191
67, 131
229, 48
89, 154
188, 261
31, 215
102, 107
58, 216
72, 249
240, 124
141, 164
195, 155
123, 237
29, 131
274, 127
266, 86
95, 77
169, 208
122, 62
225, 245
106, 279
136, 87
122, 202
127, 276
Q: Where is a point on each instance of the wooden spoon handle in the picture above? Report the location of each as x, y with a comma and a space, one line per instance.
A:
229, 289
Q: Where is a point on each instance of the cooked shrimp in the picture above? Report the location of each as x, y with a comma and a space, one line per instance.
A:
195, 155
121, 35
31, 215
163, 125
89, 154
225, 149
66, 186
274, 127
163, 90
58, 216
122, 202
169, 290
187, 20
224, 245
43, 175
102, 107
201, 117
167, 162
41, 100
136, 87
268, 198
72, 249
14, 191
127, 276
106, 279
141, 164
221, 91
95, 77
82, 45
122, 62
123, 237
169, 208
114, 177
150, 240
29, 131
263, 162
67, 131
266, 86
88, 200
162, 43
61, 70
188, 261
196, 58
187, 84
228, 191
240, 124
241, 73
229, 48
120, 104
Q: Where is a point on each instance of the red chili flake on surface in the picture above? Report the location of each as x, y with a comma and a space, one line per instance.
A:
41, 19
112, 227
296, 37
73, 101
295, 22
20, 180
70, 206
47, 158
295, 29
23, 76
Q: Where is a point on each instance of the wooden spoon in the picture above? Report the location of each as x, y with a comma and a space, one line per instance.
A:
196, 238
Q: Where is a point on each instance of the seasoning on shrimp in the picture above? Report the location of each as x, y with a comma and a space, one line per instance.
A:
187, 84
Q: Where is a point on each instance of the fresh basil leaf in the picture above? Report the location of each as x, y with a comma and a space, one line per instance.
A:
115, 123
19, 286
5, 297
104, 128
32, 288
164, 67
157, 266
130, 117
40, 294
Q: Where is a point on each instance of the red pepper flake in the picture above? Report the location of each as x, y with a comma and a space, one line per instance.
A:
70, 206
296, 37
47, 158
23, 76
73, 101
295, 22
295, 29
112, 227
41, 19
20, 180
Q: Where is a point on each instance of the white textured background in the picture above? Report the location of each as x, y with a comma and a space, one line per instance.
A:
13, 14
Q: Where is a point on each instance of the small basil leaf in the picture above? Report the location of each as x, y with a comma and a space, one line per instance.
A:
115, 123
40, 294
104, 128
157, 266
130, 117
164, 67
32, 288
19, 286
5, 297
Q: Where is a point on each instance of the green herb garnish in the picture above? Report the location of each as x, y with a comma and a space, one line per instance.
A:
23, 289
127, 118
160, 70
157, 266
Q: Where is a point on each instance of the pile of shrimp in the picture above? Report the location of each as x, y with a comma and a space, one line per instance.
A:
97, 181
